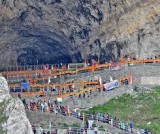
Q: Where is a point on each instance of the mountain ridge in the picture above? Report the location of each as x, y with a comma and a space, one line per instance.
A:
58, 31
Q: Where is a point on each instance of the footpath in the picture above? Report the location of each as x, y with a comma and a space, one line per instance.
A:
85, 103
56, 119
96, 98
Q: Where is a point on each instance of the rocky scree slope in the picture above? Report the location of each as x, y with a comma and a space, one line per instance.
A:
13, 119
55, 31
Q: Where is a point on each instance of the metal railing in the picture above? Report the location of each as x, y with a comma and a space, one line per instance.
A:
99, 117
67, 130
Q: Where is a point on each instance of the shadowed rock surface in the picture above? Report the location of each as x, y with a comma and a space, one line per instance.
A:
13, 119
55, 31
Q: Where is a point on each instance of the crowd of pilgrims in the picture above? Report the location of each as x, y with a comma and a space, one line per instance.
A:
48, 106
45, 106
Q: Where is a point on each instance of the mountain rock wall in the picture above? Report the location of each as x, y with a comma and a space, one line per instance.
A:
13, 119
61, 31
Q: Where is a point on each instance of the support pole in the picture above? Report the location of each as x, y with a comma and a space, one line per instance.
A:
50, 127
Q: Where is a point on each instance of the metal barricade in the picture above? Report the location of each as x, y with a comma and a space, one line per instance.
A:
75, 131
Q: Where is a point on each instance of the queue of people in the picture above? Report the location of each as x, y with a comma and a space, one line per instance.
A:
46, 106
53, 107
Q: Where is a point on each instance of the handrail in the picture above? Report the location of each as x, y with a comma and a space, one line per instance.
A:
32, 94
89, 88
75, 92
56, 84
62, 71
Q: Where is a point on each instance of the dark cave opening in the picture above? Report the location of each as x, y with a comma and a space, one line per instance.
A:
45, 48
33, 57
47, 55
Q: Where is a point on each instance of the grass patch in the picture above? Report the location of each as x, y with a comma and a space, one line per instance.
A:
67, 125
143, 109
75, 125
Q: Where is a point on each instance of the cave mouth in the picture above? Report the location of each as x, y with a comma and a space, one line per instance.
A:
36, 58
47, 55
44, 47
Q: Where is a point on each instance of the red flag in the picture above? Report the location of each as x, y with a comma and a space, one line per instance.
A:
122, 59
28, 77
95, 65
44, 69
63, 67
92, 68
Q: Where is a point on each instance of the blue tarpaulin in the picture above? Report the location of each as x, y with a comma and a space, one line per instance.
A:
24, 85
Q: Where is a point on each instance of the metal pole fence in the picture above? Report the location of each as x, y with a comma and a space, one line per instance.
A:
109, 119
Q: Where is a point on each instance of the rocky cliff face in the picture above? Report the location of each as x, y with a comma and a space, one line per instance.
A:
13, 119
55, 31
